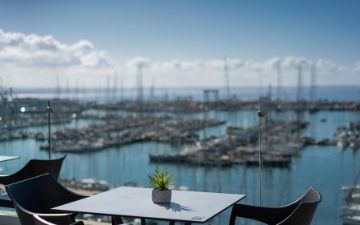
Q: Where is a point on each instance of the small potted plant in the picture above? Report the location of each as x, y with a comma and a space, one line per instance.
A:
160, 182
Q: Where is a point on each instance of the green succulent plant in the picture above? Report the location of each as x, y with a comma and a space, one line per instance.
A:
160, 180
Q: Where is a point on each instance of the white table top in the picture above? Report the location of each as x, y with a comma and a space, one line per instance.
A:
4, 158
136, 202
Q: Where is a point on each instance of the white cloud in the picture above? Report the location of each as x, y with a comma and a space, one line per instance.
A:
45, 51
34, 60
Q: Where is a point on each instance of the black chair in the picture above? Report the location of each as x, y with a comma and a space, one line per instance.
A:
33, 168
41, 221
36, 196
300, 212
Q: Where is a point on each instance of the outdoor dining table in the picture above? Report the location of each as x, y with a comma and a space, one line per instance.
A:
135, 202
4, 158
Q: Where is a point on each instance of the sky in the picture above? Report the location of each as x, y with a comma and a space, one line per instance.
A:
178, 43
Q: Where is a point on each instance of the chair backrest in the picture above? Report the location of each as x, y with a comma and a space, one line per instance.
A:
305, 210
299, 212
35, 167
40, 221
38, 195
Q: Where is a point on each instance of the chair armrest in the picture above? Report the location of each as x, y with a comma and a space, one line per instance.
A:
58, 218
264, 214
41, 221
54, 214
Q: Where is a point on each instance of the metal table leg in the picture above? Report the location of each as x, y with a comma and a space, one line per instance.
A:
115, 220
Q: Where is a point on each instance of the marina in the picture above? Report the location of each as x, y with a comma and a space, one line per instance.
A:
119, 131
239, 146
179, 112
313, 141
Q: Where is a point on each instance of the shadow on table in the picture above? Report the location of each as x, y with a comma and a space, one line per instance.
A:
174, 206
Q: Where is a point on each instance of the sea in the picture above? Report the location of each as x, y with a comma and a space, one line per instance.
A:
326, 168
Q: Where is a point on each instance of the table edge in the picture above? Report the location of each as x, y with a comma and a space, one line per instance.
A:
242, 196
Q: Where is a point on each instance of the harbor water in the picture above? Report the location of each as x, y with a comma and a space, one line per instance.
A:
327, 168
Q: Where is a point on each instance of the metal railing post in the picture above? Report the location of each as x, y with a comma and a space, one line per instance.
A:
260, 114
49, 110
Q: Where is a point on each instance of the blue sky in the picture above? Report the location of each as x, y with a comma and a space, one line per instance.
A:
196, 30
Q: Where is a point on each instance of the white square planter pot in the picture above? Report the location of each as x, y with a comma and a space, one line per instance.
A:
161, 196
